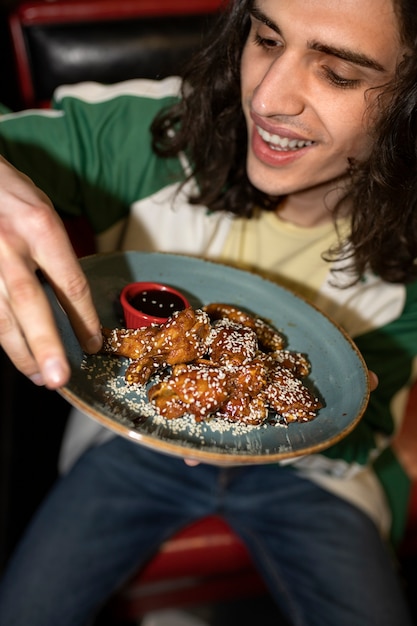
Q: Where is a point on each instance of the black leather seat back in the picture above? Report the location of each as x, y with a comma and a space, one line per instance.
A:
111, 51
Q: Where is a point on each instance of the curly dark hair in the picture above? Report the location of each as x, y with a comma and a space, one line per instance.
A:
210, 127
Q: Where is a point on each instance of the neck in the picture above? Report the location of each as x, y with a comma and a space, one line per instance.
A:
310, 207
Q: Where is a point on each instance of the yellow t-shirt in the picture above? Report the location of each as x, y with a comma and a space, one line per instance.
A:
284, 252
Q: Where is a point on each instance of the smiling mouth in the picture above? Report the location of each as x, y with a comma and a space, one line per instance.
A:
282, 144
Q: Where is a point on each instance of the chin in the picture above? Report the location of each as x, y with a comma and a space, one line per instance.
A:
268, 180
268, 186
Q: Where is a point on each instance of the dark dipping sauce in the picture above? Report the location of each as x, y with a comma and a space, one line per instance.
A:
157, 303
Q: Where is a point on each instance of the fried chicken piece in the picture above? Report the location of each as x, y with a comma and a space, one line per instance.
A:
294, 361
246, 403
288, 396
181, 339
205, 389
132, 343
219, 310
245, 409
269, 338
231, 344
196, 388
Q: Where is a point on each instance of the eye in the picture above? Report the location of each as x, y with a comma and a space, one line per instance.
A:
339, 81
266, 42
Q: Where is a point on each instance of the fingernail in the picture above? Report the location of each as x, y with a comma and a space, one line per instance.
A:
94, 344
37, 379
55, 373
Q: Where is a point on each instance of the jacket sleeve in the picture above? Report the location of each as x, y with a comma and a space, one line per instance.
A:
91, 152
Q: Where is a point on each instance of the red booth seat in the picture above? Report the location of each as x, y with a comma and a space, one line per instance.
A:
205, 562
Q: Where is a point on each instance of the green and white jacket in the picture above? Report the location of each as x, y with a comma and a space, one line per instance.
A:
91, 154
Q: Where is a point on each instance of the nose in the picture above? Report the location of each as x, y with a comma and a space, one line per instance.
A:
281, 89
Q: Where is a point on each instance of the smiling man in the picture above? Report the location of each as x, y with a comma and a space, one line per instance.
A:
289, 149
309, 73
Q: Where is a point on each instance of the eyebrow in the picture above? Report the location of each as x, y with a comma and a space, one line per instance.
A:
348, 55
341, 53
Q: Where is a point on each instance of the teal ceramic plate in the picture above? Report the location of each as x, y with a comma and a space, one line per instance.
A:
98, 389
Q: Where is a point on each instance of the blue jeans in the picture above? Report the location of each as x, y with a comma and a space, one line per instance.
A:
322, 559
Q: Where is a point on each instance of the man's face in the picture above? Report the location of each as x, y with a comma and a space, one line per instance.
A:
308, 72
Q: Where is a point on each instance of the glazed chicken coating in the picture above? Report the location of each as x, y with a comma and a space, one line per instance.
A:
196, 388
132, 343
231, 344
288, 396
204, 388
217, 361
183, 338
293, 361
246, 402
269, 339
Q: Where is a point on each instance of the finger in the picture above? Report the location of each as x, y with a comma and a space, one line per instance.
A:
373, 381
57, 260
191, 462
37, 350
14, 344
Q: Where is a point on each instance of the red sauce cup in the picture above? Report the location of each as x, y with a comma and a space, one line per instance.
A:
150, 303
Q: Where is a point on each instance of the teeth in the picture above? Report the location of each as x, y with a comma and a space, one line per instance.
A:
282, 143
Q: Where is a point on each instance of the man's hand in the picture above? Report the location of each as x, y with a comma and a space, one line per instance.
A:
32, 237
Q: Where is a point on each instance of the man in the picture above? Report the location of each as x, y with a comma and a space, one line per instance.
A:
284, 173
